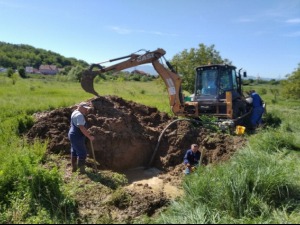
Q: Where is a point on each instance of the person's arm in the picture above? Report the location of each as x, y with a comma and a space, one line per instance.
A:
197, 157
86, 133
186, 159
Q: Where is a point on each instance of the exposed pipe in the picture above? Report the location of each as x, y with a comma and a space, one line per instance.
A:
182, 119
161, 135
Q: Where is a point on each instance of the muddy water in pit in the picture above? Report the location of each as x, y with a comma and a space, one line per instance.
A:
139, 178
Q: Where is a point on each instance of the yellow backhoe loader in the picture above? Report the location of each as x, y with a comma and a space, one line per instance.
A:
218, 88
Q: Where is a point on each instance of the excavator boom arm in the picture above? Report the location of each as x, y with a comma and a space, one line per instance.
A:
170, 78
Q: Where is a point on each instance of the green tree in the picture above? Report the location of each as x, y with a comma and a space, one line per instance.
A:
15, 56
186, 62
10, 72
75, 73
291, 86
14, 77
22, 72
275, 92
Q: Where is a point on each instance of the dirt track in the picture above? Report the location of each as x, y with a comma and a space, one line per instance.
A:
126, 135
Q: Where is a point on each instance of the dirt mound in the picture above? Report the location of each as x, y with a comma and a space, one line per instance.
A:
126, 135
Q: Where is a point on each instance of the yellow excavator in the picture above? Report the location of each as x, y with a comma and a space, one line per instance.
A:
218, 88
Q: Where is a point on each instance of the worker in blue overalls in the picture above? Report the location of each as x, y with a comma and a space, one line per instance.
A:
77, 135
258, 109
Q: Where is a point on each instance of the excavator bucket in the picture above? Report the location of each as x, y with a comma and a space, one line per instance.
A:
87, 82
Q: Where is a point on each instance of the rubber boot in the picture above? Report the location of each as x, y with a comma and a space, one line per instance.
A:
74, 164
81, 166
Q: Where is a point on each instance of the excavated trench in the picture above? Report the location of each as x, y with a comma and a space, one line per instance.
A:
126, 135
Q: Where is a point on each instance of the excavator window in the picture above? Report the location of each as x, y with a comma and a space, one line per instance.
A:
228, 80
207, 83
214, 81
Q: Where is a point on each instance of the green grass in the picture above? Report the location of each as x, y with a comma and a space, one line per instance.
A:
260, 184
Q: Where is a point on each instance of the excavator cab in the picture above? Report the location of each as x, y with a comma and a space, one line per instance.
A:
216, 88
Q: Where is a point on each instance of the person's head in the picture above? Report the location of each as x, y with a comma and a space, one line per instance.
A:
252, 91
195, 147
84, 107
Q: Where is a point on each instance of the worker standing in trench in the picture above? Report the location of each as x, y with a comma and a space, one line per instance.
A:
191, 159
77, 135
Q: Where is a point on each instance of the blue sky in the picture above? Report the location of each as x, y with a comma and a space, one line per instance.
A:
260, 36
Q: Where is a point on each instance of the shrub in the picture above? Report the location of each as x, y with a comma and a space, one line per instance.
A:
291, 86
263, 91
24, 124
272, 120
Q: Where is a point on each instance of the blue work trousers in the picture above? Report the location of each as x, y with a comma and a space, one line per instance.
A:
77, 139
256, 116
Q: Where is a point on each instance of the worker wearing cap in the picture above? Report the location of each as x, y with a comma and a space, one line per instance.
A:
191, 158
77, 135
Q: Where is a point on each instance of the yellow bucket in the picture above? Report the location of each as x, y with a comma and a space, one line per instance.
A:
240, 130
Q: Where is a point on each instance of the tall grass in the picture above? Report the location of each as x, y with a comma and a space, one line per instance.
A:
260, 184
249, 189
31, 193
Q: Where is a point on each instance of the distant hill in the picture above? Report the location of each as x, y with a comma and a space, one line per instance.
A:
147, 68
261, 78
21, 55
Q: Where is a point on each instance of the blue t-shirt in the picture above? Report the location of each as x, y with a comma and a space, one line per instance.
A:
191, 157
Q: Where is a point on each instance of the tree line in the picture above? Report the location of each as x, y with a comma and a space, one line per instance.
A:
17, 56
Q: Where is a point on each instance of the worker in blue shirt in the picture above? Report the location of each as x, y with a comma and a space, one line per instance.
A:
258, 109
191, 158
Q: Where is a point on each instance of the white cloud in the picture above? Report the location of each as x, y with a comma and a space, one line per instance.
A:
293, 21
120, 30
125, 31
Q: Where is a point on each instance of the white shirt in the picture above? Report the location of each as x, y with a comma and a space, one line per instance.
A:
78, 118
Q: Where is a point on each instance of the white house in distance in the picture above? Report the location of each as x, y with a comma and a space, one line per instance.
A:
48, 69
30, 69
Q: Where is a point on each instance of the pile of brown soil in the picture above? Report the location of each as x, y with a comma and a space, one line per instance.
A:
126, 135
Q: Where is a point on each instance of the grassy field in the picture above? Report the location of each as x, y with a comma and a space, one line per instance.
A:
29, 192
259, 185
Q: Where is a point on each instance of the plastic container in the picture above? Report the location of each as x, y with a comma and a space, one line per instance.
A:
240, 130
187, 99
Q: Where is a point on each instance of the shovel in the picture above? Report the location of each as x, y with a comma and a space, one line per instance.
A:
95, 163
202, 156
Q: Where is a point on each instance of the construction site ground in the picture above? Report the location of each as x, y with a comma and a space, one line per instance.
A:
124, 184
